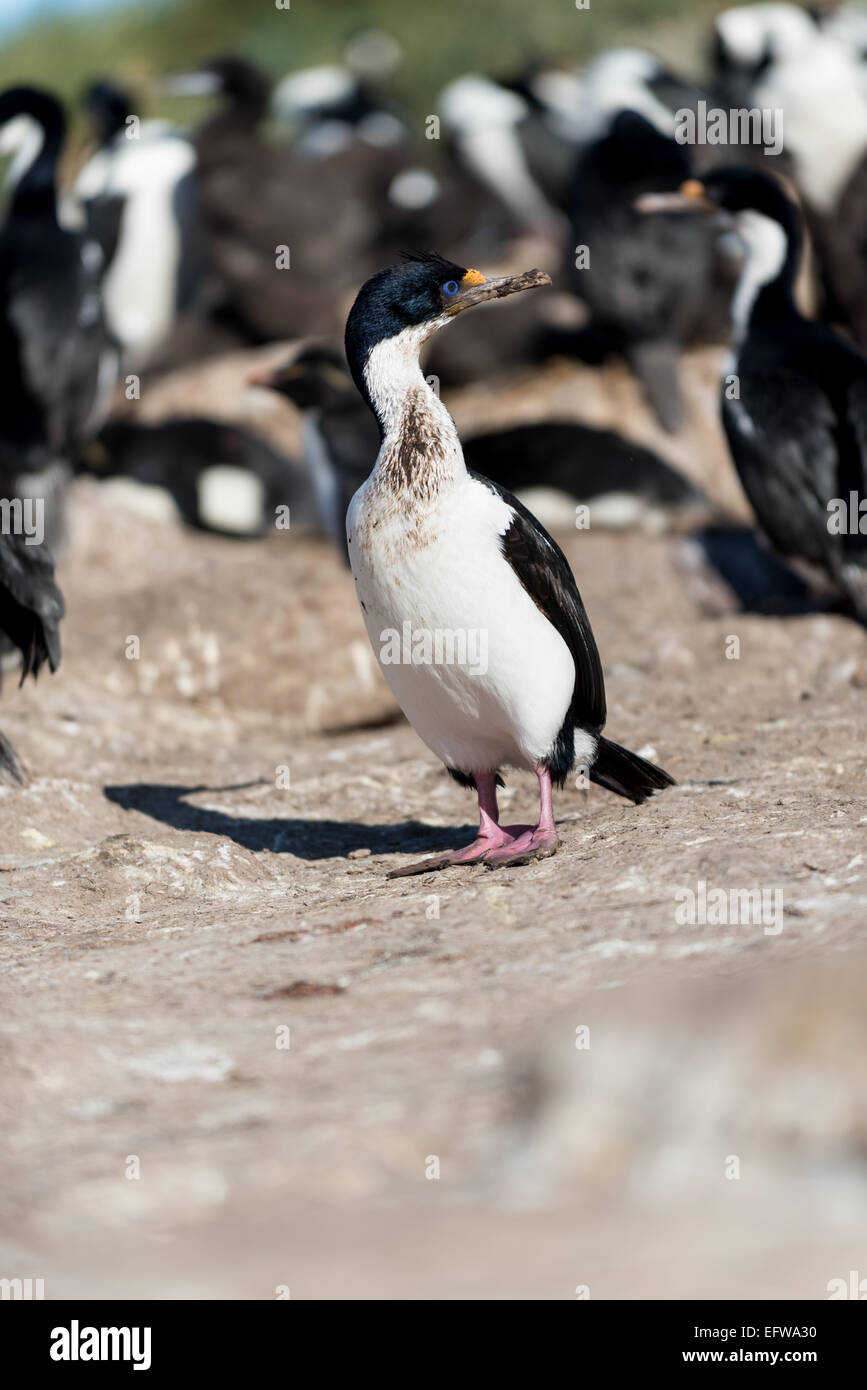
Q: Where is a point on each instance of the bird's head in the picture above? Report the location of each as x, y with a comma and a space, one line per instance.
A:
315, 379
245, 87
107, 105
399, 308
754, 206
728, 192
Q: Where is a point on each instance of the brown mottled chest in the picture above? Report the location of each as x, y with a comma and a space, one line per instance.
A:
417, 458
398, 506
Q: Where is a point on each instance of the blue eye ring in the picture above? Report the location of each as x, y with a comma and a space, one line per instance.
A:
450, 288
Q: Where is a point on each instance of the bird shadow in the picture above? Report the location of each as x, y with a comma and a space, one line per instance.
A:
306, 839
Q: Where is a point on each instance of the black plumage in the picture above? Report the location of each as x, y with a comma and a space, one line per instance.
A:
57, 361
107, 105
31, 604
544, 572
645, 281
177, 455
31, 607
584, 462
794, 408
254, 200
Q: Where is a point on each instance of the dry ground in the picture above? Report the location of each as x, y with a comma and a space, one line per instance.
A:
168, 911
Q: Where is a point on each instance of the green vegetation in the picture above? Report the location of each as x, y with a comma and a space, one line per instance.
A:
440, 39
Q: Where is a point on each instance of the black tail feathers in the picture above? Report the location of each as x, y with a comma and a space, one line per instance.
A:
626, 774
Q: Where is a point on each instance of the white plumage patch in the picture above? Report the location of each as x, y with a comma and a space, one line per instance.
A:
140, 286
22, 138
746, 31
413, 189
381, 130
484, 117
816, 80
430, 559
143, 500
821, 94
312, 88
231, 499
476, 103
455, 579
392, 372
766, 247
550, 505
618, 81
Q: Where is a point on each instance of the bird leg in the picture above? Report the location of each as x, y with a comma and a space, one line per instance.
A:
538, 843
491, 836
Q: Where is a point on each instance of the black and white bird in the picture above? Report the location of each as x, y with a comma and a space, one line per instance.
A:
794, 400
623, 483
648, 285
58, 363
31, 607
286, 235
808, 73
212, 474
329, 106
253, 203
752, 42
139, 195
777, 58
484, 120
469, 604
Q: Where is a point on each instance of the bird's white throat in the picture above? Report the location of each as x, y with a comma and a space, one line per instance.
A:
416, 425
22, 138
766, 250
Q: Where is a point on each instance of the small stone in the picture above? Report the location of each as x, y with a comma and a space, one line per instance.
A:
359, 853
36, 838
302, 989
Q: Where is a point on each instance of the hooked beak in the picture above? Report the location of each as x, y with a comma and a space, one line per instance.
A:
190, 84
497, 288
690, 197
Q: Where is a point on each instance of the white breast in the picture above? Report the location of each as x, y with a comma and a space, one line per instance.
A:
140, 286
437, 584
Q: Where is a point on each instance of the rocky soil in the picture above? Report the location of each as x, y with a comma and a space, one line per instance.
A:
235, 1057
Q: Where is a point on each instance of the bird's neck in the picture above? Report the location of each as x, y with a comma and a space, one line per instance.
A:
421, 453
241, 112
765, 287
34, 191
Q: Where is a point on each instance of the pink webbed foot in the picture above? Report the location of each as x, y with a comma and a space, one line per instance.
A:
534, 844
496, 838
538, 843
497, 845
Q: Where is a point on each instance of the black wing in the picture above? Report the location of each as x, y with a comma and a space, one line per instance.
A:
798, 443
782, 439
31, 604
544, 572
